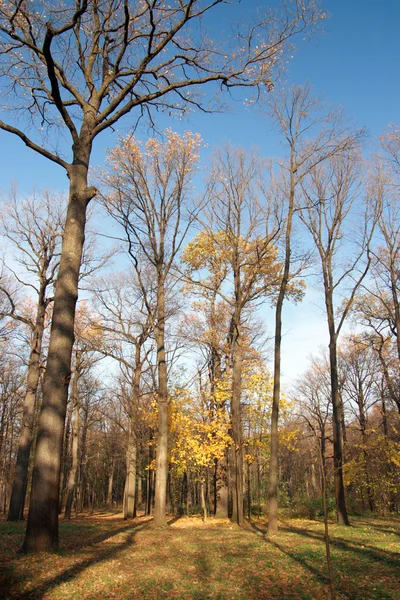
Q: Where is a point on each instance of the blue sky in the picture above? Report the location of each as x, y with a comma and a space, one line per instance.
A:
355, 64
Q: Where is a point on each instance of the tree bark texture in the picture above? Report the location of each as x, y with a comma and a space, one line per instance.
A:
221, 489
139, 494
203, 499
325, 505
162, 403
237, 364
130, 481
274, 446
42, 527
110, 485
337, 434
20, 483
73, 474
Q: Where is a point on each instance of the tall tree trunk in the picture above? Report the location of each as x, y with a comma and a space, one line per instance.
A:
183, 493
139, 494
203, 499
189, 502
109, 500
237, 424
363, 427
326, 526
274, 444
131, 453
130, 481
82, 484
221, 489
162, 403
149, 480
72, 478
20, 483
64, 456
336, 421
42, 527
7, 464
248, 491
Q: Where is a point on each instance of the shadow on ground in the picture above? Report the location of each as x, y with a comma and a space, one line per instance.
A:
95, 555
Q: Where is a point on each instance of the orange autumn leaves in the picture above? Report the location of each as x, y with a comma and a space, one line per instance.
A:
200, 425
162, 165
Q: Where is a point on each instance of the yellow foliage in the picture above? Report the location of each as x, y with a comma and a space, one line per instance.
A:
289, 438
216, 252
200, 436
376, 455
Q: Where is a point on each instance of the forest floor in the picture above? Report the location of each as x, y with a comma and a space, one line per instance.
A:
102, 556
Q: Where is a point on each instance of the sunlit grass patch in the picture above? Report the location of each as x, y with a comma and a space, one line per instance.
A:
189, 559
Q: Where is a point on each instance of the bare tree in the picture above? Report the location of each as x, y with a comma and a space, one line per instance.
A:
73, 473
150, 196
373, 311
384, 187
86, 355
359, 374
126, 328
206, 329
83, 66
33, 229
312, 133
330, 193
378, 308
12, 377
237, 245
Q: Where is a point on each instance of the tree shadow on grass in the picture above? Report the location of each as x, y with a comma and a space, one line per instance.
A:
174, 519
302, 561
84, 541
95, 557
356, 553
367, 550
268, 582
363, 550
378, 527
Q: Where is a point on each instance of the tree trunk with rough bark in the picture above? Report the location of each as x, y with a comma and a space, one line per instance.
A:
325, 507
20, 483
248, 491
162, 403
363, 427
342, 516
109, 500
237, 364
64, 455
203, 499
221, 489
149, 479
73, 474
42, 527
130, 481
139, 494
274, 445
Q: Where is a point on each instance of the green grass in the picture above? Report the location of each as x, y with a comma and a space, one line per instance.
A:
103, 556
